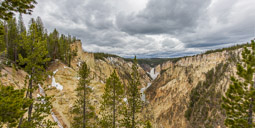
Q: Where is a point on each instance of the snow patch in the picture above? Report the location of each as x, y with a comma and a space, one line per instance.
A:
153, 74
55, 84
79, 64
56, 119
125, 100
143, 98
41, 90
66, 67
55, 71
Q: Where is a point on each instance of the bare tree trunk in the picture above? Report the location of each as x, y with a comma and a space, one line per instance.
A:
250, 118
30, 95
21, 118
84, 106
250, 113
15, 53
133, 110
6, 37
114, 96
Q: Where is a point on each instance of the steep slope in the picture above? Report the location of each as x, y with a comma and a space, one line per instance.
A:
200, 79
181, 93
64, 80
67, 80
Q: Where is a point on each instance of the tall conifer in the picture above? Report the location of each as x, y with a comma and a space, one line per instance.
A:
35, 48
134, 106
112, 104
83, 110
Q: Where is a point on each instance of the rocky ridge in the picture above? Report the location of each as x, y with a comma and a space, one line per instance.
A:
168, 94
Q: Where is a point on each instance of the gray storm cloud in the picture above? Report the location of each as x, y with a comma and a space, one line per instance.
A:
151, 28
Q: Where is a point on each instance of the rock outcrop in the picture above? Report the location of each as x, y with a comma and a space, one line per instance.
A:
169, 95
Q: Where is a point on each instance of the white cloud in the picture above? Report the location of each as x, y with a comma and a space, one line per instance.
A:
151, 28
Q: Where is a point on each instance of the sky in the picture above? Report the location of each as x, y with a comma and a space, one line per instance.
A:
150, 28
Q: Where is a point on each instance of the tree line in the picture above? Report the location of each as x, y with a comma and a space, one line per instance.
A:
32, 49
14, 35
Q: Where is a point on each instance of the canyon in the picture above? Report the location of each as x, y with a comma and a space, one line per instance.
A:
167, 89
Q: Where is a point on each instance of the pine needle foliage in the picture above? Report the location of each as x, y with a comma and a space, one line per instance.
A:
35, 49
112, 104
238, 101
134, 106
13, 105
83, 110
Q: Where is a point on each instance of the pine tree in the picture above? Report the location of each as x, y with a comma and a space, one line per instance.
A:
148, 124
9, 7
12, 48
55, 37
13, 105
2, 43
83, 110
238, 101
112, 104
21, 33
134, 97
21, 26
34, 62
42, 109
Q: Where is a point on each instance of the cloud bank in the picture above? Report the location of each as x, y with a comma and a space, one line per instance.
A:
151, 28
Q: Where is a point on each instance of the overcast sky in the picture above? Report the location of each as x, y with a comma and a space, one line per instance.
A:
150, 28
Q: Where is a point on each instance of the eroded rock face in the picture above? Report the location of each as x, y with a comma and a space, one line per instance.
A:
169, 94
100, 71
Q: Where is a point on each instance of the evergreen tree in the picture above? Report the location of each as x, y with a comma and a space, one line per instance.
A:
148, 124
21, 33
112, 104
2, 43
83, 110
134, 98
35, 48
40, 27
9, 7
42, 109
21, 26
13, 105
238, 101
12, 48
55, 37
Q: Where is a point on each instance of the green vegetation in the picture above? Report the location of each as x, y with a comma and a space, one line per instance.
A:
134, 99
113, 103
228, 48
35, 59
9, 7
102, 56
153, 61
148, 124
15, 33
32, 50
83, 111
205, 98
13, 105
238, 101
